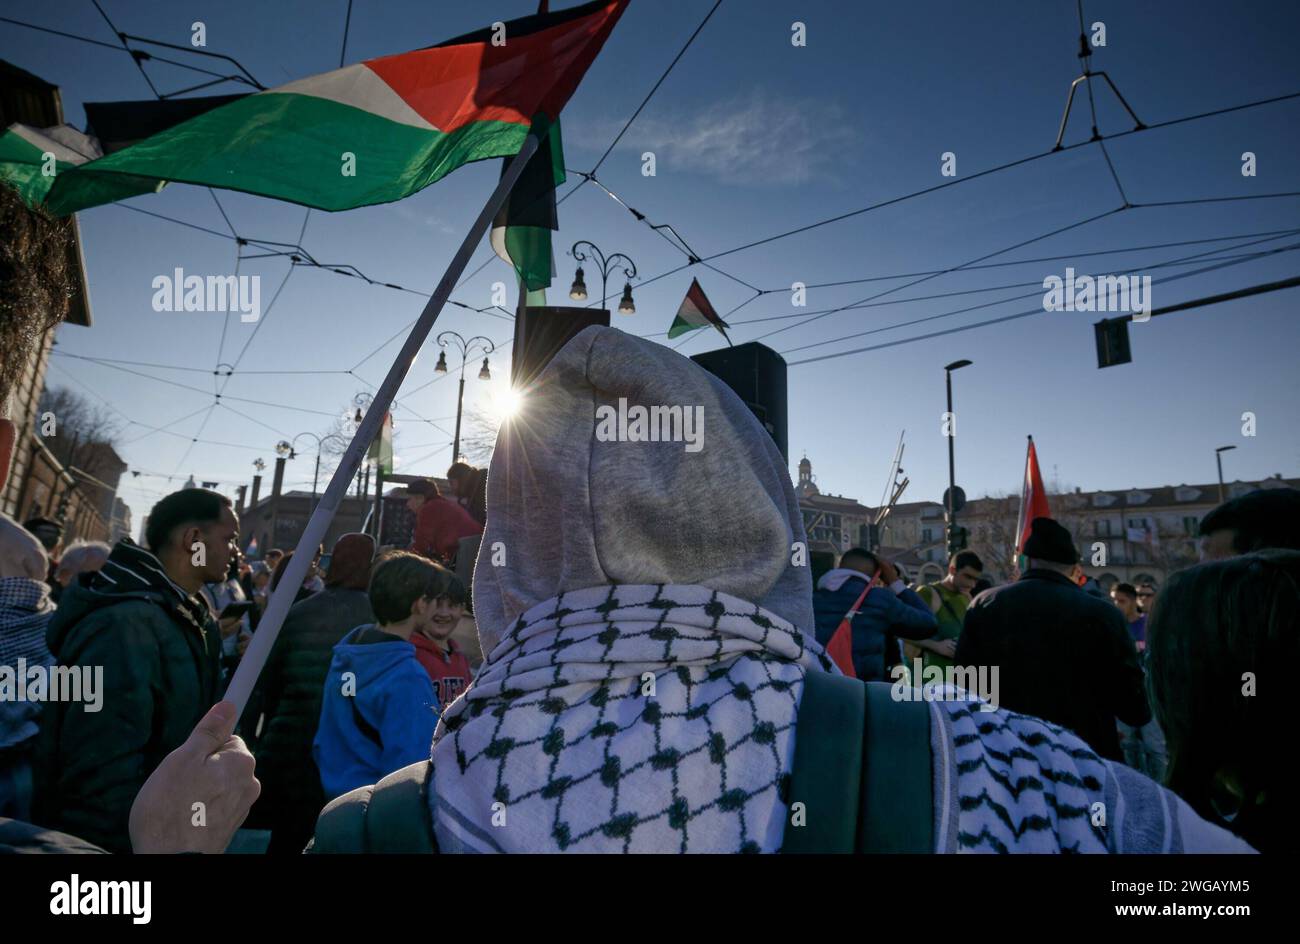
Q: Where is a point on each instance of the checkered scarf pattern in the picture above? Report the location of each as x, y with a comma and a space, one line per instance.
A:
25, 611
626, 718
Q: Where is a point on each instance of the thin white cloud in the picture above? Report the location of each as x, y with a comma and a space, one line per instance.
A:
753, 139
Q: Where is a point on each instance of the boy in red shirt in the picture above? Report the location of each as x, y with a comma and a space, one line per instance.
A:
447, 666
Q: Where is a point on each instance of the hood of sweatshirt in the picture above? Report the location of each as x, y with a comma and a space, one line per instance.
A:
374, 663
577, 497
130, 573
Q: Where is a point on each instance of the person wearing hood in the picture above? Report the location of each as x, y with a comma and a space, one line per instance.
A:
651, 669
290, 693
890, 609
142, 620
379, 707
25, 611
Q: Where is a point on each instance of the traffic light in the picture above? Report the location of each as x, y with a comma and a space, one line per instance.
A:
1112, 342
958, 539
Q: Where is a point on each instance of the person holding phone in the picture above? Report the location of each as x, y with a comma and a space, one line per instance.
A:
232, 610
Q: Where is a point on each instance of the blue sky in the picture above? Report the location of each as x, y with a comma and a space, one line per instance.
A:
754, 137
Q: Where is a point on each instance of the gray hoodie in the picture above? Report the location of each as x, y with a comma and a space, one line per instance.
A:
588, 512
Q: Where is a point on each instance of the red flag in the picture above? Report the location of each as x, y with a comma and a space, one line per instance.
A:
1033, 498
840, 647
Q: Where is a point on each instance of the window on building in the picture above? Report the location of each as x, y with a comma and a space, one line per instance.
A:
1191, 525
1103, 528
927, 535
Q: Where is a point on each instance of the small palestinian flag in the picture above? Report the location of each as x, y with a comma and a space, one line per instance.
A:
521, 232
368, 133
696, 312
381, 450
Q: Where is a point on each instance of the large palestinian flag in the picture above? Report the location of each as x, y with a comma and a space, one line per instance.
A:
368, 133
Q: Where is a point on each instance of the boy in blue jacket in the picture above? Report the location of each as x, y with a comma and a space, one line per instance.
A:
890, 609
379, 709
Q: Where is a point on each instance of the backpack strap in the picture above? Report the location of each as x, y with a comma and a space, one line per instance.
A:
827, 771
391, 817
851, 804
897, 783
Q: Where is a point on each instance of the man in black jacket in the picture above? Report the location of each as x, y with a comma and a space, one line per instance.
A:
291, 686
142, 621
1062, 655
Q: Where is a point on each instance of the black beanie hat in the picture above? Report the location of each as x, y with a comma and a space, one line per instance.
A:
1048, 541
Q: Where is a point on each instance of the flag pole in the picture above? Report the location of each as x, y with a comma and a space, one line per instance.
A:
259, 649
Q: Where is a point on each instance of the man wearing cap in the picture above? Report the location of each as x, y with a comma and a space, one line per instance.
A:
1063, 655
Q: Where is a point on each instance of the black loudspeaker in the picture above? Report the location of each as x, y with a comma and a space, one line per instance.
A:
757, 375
542, 332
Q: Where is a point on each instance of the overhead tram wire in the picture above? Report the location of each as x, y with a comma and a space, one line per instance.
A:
172, 383
1092, 106
218, 385
1153, 126
956, 293
1181, 261
219, 391
993, 170
861, 303
926, 278
1067, 255
817, 316
240, 241
649, 95
1010, 263
590, 176
1023, 314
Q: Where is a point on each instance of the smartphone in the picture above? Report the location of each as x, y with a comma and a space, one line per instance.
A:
238, 608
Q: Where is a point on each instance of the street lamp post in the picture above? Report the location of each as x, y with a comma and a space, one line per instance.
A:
362, 404
1218, 459
288, 450
484, 345
952, 464
605, 265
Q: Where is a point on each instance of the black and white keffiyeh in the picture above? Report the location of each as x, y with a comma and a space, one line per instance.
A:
626, 718
25, 610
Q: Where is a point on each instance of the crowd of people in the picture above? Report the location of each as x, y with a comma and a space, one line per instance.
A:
167, 625
642, 670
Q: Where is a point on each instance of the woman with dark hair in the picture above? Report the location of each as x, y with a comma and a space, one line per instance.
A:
1219, 646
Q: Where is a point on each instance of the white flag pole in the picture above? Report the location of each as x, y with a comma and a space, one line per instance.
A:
259, 649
